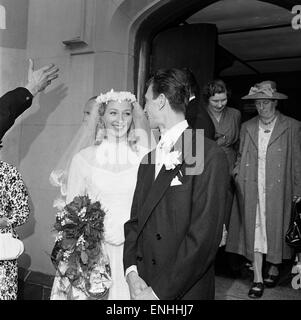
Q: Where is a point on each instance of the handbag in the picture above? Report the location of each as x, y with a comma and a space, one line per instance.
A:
293, 234
10, 247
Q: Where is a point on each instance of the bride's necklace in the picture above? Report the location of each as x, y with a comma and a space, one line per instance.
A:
268, 123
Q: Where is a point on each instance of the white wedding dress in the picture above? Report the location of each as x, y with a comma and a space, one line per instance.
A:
106, 173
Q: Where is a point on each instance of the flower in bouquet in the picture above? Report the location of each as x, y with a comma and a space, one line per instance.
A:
78, 254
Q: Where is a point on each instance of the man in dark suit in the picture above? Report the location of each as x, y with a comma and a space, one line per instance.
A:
196, 116
15, 102
177, 212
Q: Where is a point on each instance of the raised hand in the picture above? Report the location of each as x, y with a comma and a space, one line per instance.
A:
39, 79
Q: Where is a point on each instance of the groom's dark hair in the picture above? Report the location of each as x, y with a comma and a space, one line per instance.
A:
173, 84
194, 88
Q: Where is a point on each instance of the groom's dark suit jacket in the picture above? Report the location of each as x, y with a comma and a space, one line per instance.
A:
198, 118
174, 231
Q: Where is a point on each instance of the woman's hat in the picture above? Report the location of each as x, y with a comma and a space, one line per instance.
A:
265, 90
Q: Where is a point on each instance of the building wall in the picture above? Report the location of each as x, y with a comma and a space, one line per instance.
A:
39, 137
48, 126
12, 60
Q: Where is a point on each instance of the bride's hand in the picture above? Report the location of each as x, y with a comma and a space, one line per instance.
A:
114, 236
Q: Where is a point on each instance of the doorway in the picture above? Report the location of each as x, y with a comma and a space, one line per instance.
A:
255, 42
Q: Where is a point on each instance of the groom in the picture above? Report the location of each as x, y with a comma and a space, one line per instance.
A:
177, 213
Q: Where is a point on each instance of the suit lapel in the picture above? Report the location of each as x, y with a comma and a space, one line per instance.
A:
163, 180
280, 127
150, 175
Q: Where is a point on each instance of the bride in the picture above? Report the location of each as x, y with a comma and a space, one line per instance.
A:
102, 162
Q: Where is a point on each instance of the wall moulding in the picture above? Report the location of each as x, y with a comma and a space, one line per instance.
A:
85, 41
2, 18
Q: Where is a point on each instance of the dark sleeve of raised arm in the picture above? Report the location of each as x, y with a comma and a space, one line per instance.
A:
12, 105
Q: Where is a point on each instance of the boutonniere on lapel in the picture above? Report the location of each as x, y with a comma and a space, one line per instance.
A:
172, 159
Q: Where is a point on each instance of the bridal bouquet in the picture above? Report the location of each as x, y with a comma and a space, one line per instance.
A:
78, 254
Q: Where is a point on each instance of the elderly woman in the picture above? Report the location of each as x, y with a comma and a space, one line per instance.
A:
268, 177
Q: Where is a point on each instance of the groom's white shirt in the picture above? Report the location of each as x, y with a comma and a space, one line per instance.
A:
168, 139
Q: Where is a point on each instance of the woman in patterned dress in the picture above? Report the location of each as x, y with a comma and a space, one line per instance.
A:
268, 178
14, 211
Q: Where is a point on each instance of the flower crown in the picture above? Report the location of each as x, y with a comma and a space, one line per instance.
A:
116, 96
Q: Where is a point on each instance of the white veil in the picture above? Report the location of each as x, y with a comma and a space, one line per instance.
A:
86, 136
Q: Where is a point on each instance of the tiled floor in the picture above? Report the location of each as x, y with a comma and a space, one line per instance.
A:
230, 285
237, 289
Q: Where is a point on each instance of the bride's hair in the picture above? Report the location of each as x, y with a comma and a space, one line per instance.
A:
100, 129
90, 134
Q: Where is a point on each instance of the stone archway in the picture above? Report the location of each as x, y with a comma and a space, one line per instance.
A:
116, 28
155, 16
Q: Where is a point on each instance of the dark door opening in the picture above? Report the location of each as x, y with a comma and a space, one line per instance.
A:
173, 38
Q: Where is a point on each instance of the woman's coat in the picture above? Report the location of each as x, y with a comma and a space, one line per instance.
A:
283, 180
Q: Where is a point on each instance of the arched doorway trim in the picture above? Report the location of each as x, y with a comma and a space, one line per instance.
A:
168, 14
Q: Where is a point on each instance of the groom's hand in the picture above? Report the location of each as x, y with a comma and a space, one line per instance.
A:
136, 284
146, 294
